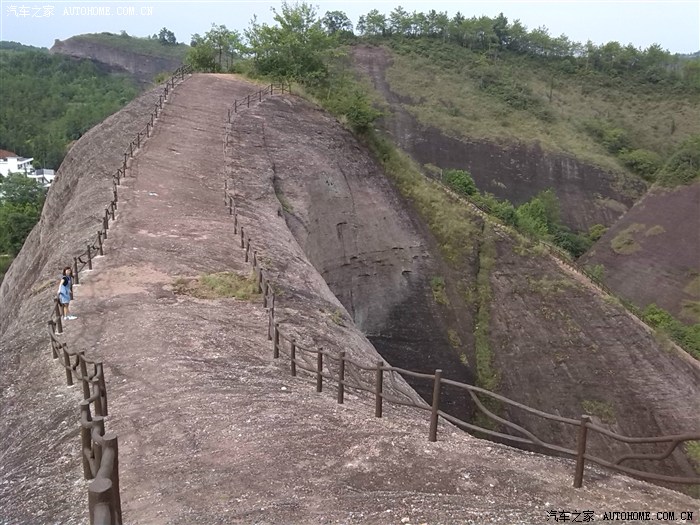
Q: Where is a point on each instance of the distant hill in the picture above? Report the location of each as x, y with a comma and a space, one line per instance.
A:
51, 100
144, 58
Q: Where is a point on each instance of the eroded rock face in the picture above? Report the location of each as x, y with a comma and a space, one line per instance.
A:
517, 172
556, 343
143, 67
514, 171
361, 236
652, 255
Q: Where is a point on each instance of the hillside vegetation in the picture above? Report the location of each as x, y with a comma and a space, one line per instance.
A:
51, 100
162, 45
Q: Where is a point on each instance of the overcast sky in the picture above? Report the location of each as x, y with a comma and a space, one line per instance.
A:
674, 24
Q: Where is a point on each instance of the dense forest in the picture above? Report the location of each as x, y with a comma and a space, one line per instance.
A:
48, 102
51, 100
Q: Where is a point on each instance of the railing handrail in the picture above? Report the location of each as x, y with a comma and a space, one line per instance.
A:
99, 450
526, 437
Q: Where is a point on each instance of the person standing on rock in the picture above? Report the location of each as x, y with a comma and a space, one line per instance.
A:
65, 288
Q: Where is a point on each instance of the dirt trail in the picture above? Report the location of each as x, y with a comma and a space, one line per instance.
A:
213, 430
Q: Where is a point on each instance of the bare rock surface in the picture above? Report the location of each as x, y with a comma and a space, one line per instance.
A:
211, 428
652, 254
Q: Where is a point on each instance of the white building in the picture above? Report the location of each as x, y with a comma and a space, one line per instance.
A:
11, 163
15, 165
43, 176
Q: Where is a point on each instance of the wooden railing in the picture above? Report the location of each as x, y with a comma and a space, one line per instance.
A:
99, 448
345, 372
258, 95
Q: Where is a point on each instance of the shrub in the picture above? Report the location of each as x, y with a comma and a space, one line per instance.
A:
686, 336
683, 167
596, 231
460, 181
641, 161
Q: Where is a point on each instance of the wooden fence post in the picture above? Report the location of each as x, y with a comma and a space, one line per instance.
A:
67, 365
84, 376
52, 327
319, 371
581, 451
59, 315
276, 343
99, 242
435, 408
100, 501
75, 271
378, 388
103, 388
89, 256
293, 358
248, 99
242, 238
235, 106
341, 377
109, 441
270, 322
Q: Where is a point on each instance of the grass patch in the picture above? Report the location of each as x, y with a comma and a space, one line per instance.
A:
693, 287
487, 375
218, 286
454, 226
286, 205
437, 284
692, 449
595, 271
547, 286
601, 409
624, 242
654, 230
513, 97
690, 311
453, 338
337, 317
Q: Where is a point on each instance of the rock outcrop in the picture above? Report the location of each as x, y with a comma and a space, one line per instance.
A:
141, 65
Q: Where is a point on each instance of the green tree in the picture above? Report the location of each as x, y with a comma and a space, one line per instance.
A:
336, 21
201, 55
21, 200
296, 47
19, 190
167, 37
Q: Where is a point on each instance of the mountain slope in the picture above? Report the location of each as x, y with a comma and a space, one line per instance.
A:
652, 255
211, 429
141, 57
